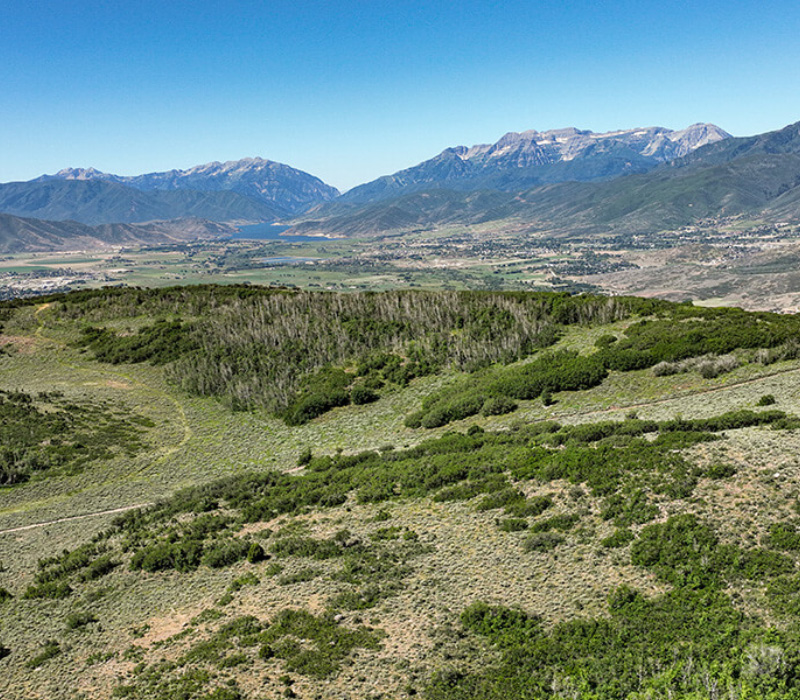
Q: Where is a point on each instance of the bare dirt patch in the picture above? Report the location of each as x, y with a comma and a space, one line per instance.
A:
23, 344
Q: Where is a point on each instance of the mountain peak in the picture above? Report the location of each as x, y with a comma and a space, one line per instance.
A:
528, 158
80, 174
287, 189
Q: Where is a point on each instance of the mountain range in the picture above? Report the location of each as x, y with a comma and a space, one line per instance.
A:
757, 175
522, 160
564, 181
285, 190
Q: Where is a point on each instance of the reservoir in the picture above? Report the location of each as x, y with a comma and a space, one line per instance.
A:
272, 232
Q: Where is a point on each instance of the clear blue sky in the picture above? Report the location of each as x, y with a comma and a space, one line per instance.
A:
350, 90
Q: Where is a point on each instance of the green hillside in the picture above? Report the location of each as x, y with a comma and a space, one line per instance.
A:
240, 492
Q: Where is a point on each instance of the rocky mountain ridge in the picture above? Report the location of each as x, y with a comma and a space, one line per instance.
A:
758, 176
520, 160
286, 189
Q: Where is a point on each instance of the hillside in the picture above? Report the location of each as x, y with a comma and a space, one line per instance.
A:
236, 492
95, 202
20, 234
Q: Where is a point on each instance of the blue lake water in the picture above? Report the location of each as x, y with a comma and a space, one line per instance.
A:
285, 260
271, 232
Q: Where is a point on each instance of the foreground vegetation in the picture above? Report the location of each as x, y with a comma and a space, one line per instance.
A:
590, 529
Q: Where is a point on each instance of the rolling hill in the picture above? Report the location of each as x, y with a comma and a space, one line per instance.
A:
231, 493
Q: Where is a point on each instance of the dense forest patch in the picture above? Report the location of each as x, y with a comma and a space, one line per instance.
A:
300, 354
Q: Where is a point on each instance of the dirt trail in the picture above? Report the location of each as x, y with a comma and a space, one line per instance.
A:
678, 397
188, 431
74, 517
163, 453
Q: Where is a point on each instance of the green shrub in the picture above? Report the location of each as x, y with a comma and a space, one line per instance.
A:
361, 395
720, 471
256, 553
785, 536
51, 589
680, 551
225, 553
77, 620
766, 400
498, 405
529, 507
557, 522
620, 538
50, 650
512, 524
542, 542
500, 499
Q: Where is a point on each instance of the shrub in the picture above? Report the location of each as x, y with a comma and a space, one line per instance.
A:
620, 538
50, 649
720, 471
512, 524
77, 620
766, 400
557, 522
499, 499
542, 542
605, 341
361, 395
498, 406
256, 553
226, 553
51, 589
529, 507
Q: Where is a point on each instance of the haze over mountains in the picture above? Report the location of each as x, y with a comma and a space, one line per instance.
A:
565, 181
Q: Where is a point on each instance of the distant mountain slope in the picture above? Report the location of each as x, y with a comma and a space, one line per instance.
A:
96, 201
521, 160
19, 234
758, 175
785, 140
285, 189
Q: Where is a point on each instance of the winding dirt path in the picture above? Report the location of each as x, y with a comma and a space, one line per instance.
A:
678, 397
162, 453
74, 517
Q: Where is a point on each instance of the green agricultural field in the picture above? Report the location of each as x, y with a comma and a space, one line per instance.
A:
267, 519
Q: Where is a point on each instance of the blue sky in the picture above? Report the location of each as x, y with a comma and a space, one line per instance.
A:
353, 90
